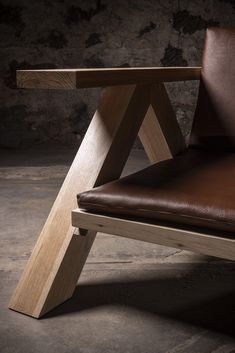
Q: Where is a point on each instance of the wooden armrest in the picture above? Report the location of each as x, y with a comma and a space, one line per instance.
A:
83, 78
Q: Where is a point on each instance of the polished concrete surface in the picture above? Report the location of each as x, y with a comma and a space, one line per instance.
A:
132, 296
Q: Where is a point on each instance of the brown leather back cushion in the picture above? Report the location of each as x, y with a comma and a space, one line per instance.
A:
214, 121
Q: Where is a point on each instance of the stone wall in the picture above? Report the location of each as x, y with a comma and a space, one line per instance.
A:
95, 33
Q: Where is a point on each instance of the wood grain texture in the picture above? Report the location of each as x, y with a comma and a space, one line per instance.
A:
59, 254
203, 243
83, 78
167, 119
160, 133
46, 79
152, 138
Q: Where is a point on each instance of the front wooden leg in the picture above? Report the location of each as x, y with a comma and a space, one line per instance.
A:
59, 255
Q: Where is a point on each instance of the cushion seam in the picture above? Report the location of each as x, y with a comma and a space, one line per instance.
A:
162, 212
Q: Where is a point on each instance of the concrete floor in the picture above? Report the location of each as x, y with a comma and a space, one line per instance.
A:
132, 296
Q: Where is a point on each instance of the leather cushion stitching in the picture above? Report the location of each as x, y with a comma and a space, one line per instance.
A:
88, 204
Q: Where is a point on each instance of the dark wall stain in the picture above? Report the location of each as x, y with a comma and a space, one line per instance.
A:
231, 2
173, 57
93, 61
13, 127
149, 28
11, 16
54, 39
184, 22
10, 77
78, 125
76, 14
93, 39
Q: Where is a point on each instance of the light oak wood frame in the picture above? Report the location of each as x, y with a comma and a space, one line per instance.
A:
134, 101
202, 242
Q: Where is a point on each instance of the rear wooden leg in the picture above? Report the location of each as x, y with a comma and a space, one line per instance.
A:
160, 133
59, 255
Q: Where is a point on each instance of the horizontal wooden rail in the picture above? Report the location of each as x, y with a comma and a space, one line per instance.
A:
84, 78
203, 243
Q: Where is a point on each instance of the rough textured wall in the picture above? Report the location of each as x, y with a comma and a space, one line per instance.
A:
95, 33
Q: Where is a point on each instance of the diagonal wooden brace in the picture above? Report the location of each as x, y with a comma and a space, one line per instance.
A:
59, 255
160, 133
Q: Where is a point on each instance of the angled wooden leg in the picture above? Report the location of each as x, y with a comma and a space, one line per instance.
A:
53, 269
160, 133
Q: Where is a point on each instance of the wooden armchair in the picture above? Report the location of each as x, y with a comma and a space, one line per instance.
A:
185, 199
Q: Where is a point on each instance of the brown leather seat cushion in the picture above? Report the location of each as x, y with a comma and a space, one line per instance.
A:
196, 188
